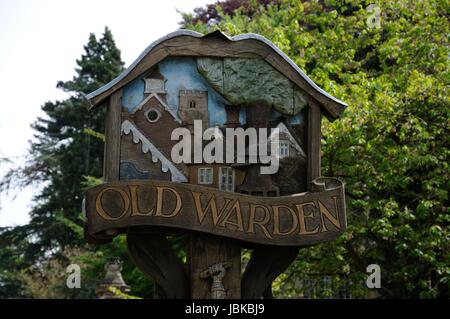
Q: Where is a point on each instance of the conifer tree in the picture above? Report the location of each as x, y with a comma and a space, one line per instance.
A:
62, 156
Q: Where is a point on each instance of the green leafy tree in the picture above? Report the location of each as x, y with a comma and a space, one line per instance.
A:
65, 156
391, 147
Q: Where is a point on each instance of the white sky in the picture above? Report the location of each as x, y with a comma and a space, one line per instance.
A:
39, 43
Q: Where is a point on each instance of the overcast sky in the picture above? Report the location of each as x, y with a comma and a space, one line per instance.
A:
39, 43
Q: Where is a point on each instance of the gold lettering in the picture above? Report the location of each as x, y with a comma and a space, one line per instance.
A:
235, 208
302, 217
135, 211
325, 212
99, 205
160, 190
261, 223
276, 220
212, 206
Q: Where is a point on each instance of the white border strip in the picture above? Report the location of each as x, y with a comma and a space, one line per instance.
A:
176, 174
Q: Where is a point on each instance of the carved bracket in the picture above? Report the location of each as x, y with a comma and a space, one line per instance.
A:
217, 273
153, 255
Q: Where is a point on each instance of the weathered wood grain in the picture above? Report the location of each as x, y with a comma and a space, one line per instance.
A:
153, 255
188, 46
112, 137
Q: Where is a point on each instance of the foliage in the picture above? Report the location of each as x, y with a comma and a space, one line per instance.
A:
210, 14
121, 294
392, 145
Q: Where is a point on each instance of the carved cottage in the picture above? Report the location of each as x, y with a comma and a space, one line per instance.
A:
225, 82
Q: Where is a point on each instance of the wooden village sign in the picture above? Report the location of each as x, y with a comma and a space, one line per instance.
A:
220, 207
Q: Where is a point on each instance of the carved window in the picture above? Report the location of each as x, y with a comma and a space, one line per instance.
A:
283, 149
152, 115
205, 175
226, 179
192, 104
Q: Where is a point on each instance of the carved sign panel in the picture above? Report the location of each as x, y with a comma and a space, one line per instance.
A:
216, 138
301, 219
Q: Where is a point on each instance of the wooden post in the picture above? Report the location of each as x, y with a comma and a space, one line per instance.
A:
313, 137
112, 138
205, 251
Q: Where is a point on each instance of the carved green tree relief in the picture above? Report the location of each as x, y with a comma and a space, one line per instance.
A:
244, 80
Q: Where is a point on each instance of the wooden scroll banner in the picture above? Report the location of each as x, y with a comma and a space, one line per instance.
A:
296, 220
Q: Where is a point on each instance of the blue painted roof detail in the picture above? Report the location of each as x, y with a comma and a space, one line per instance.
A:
133, 94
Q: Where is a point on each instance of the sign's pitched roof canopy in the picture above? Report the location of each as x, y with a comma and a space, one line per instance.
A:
189, 43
